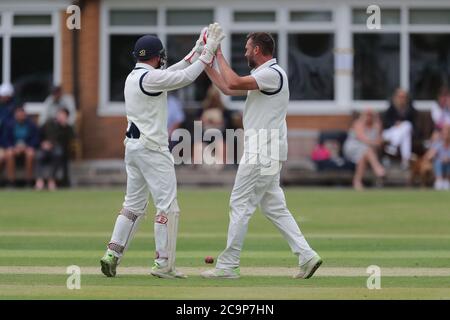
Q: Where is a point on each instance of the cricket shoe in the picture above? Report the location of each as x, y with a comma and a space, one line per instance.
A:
308, 269
165, 273
233, 273
109, 264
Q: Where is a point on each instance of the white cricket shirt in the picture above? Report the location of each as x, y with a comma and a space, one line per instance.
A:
265, 112
146, 98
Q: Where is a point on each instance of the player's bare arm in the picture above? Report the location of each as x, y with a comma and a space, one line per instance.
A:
232, 80
218, 81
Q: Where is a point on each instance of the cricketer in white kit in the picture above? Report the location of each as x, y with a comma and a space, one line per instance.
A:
265, 148
149, 163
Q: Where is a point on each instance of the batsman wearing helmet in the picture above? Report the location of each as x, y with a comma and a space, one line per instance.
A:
149, 163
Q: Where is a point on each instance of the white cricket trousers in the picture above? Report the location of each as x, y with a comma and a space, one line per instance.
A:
253, 187
400, 136
151, 172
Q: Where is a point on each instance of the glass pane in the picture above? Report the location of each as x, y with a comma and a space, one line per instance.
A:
121, 62
177, 48
435, 16
32, 20
189, 17
238, 61
33, 77
429, 65
311, 66
388, 16
376, 65
1, 60
250, 16
133, 18
310, 16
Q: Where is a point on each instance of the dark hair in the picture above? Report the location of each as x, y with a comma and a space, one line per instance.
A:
264, 40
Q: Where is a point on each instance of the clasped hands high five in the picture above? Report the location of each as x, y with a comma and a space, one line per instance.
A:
206, 46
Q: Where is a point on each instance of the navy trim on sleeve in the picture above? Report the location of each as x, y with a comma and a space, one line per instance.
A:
281, 83
143, 90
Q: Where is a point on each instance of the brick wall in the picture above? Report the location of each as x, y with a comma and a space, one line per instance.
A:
101, 137
319, 122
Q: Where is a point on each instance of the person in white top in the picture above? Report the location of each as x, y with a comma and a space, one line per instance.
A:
57, 101
265, 148
149, 163
440, 110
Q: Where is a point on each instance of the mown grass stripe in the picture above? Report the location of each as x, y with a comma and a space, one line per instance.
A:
396, 254
202, 235
247, 271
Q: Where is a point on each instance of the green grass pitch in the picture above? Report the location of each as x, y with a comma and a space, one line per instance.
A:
404, 232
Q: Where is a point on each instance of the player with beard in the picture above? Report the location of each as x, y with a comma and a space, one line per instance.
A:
265, 148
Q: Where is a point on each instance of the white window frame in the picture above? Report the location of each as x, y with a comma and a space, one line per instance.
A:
8, 31
341, 26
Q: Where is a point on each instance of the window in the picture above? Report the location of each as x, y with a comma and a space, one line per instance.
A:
429, 56
311, 66
310, 16
32, 20
133, 18
31, 62
121, 62
376, 65
1, 59
177, 48
189, 17
32, 73
426, 16
251, 16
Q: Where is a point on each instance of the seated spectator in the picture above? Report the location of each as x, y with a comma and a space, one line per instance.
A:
56, 136
7, 105
440, 110
440, 154
21, 138
327, 154
398, 124
175, 116
213, 116
57, 100
440, 113
361, 146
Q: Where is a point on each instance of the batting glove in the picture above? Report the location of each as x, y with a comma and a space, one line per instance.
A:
197, 50
215, 36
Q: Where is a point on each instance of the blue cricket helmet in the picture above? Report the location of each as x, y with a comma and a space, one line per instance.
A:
149, 46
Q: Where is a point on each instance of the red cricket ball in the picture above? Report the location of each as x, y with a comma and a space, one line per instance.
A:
209, 259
